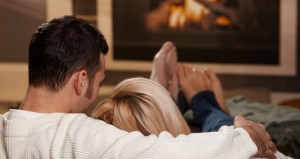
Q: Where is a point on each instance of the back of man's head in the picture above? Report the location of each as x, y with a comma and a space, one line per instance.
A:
62, 47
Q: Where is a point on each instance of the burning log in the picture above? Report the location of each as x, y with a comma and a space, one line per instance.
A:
180, 14
219, 9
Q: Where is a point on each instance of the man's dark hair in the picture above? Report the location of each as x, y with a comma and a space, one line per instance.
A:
62, 47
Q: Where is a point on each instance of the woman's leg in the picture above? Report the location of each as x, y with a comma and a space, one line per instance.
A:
215, 86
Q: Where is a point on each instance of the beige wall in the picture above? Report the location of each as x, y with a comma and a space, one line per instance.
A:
13, 81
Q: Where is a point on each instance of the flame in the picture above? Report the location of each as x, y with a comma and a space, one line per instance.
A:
222, 21
192, 12
177, 18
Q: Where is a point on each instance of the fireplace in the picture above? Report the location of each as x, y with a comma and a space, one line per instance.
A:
208, 31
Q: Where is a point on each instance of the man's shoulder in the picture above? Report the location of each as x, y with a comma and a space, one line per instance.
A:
2, 148
1, 121
81, 120
78, 124
77, 117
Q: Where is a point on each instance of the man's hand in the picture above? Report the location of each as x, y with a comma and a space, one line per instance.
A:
265, 147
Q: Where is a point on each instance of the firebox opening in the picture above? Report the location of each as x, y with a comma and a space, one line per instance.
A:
210, 31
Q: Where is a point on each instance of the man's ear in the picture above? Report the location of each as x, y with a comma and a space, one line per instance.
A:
81, 81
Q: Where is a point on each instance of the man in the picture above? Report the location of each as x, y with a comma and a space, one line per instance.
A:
66, 68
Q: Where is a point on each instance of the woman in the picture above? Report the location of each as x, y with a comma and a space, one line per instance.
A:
140, 104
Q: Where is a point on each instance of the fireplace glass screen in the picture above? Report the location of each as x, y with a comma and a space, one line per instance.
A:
208, 31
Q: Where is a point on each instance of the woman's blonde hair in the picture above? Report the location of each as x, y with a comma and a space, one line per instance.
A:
140, 104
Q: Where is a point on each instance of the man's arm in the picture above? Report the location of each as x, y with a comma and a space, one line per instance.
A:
91, 138
257, 132
207, 113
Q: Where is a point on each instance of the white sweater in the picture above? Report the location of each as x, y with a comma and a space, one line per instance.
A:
61, 135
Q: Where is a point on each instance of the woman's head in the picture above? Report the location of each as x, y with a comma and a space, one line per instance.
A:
140, 104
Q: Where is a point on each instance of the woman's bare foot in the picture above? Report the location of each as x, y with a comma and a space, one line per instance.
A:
190, 81
164, 64
173, 87
213, 84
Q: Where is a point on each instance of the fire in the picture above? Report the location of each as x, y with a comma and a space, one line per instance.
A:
192, 12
